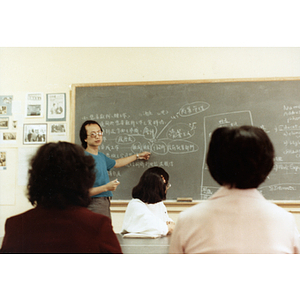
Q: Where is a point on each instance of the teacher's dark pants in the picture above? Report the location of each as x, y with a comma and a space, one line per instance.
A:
100, 205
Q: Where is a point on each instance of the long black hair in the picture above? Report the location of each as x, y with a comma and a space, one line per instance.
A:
152, 186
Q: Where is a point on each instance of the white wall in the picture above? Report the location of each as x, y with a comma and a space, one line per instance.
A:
53, 70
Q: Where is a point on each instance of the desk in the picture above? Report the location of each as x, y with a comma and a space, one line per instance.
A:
144, 246
141, 246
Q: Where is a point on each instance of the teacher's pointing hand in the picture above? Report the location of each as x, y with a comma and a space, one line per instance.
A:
144, 155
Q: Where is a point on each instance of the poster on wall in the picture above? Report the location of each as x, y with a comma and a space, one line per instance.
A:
2, 160
58, 132
6, 105
34, 105
4, 122
8, 137
8, 171
58, 129
35, 134
56, 107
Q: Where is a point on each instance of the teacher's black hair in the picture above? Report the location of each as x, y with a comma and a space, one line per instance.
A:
83, 134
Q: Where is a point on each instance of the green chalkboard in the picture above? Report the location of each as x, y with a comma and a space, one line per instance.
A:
174, 120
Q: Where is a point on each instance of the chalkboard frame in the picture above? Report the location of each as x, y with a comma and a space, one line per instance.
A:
173, 82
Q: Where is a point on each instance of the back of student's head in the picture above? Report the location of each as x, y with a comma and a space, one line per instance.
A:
240, 157
83, 133
60, 175
152, 186
161, 172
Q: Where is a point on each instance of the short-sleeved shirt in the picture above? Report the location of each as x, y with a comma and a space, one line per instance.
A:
103, 164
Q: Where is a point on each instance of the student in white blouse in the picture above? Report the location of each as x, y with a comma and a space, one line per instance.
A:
146, 214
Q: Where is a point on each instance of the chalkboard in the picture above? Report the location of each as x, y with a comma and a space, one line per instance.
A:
174, 120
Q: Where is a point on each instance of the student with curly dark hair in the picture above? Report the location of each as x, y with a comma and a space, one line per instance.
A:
60, 177
146, 214
237, 218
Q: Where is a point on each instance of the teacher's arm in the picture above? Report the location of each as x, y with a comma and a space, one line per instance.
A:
121, 162
111, 186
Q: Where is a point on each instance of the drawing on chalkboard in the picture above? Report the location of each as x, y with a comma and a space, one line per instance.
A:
174, 122
171, 138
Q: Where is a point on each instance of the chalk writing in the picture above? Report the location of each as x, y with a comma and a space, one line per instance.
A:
182, 147
160, 148
159, 136
175, 122
180, 131
193, 108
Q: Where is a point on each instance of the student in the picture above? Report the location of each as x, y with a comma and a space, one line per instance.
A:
146, 214
237, 218
60, 177
91, 135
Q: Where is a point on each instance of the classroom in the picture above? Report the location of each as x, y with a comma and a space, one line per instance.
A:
38, 85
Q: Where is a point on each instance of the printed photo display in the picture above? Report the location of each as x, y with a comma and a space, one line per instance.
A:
5, 105
35, 134
56, 107
34, 105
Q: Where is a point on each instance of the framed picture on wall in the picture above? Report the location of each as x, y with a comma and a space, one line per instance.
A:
35, 134
6, 105
2, 160
34, 105
58, 128
56, 107
4, 123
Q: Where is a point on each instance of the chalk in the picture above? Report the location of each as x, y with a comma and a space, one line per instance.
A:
184, 199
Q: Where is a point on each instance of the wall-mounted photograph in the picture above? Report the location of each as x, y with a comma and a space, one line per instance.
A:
6, 105
34, 107
2, 160
4, 123
35, 134
9, 136
58, 129
56, 107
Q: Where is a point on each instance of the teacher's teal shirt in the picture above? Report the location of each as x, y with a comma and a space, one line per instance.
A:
103, 164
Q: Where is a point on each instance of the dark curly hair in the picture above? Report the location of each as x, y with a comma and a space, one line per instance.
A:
60, 175
83, 134
151, 187
240, 157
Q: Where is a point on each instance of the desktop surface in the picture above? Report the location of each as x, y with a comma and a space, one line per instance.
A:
144, 245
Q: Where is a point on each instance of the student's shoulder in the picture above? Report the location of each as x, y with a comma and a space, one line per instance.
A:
27, 213
23, 217
136, 204
196, 210
90, 216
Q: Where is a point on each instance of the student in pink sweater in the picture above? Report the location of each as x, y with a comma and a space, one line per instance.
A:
237, 218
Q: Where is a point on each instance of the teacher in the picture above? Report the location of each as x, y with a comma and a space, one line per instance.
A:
91, 136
